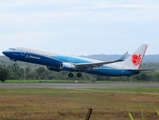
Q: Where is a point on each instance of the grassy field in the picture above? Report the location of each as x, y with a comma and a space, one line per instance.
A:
47, 81
73, 81
72, 104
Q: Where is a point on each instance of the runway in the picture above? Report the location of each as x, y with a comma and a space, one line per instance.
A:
78, 85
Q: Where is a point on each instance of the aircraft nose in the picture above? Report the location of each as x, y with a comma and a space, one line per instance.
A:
5, 53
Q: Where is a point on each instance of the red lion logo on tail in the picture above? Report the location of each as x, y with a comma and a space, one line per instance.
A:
136, 59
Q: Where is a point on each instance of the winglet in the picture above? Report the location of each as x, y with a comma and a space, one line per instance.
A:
123, 57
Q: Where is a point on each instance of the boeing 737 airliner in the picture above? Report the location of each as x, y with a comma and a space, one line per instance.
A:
57, 62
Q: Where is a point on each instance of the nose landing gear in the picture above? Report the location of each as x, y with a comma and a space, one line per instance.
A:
15, 64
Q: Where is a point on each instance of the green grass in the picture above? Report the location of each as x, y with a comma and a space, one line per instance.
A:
78, 80
47, 81
72, 104
128, 90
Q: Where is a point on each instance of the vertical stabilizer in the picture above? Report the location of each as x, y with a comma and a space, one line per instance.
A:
134, 61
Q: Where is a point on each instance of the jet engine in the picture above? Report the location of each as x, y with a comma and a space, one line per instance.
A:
54, 68
63, 66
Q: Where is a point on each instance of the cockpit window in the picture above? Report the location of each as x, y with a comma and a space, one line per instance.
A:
12, 48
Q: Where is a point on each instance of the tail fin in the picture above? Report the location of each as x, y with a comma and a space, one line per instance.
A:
134, 61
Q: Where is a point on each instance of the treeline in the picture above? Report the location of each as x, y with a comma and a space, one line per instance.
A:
11, 72
40, 73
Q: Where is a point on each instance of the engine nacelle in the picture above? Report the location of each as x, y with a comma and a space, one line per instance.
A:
52, 68
63, 66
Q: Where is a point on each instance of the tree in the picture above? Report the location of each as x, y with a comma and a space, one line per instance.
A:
40, 73
144, 76
156, 76
3, 74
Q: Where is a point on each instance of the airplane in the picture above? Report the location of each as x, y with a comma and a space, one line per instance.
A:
57, 62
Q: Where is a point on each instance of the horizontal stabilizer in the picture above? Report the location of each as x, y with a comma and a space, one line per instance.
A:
139, 70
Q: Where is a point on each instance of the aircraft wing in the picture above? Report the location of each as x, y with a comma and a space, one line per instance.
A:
83, 66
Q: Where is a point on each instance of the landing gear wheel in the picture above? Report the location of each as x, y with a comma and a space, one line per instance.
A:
15, 64
79, 75
70, 74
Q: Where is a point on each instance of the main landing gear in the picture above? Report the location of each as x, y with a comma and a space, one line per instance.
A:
79, 75
70, 75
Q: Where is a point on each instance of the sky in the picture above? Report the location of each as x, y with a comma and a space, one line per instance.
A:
80, 27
